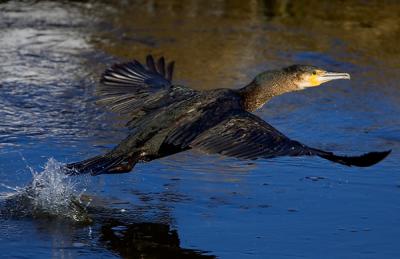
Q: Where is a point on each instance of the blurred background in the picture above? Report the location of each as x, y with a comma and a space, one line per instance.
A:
190, 205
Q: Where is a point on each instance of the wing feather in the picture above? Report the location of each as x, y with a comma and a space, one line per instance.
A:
248, 137
170, 70
161, 66
131, 87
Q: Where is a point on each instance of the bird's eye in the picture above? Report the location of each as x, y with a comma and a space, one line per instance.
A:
314, 72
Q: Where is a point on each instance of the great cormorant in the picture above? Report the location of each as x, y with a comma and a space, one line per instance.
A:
166, 118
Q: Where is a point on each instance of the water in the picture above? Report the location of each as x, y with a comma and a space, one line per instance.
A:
192, 205
50, 194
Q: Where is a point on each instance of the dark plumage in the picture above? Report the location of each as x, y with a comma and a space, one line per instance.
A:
168, 118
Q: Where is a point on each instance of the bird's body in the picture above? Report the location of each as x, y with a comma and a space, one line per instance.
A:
170, 128
167, 118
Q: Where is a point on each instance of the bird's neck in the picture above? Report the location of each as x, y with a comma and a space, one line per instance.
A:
263, 88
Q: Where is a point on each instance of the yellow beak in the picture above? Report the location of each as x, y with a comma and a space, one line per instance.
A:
324, 77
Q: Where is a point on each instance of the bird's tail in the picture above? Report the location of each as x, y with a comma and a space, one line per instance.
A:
365, 160
104, 164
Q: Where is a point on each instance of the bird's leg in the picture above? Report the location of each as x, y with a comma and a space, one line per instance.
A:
124, 167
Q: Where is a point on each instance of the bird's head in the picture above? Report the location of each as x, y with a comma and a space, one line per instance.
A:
305, 76
272, 83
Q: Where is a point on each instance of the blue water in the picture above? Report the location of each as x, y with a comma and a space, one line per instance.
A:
193, 205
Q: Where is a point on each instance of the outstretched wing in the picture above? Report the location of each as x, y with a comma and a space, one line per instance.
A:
248, 137
131, 87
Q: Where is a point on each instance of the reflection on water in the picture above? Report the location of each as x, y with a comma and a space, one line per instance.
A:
51, 56
114, 233
58, 210
145, 240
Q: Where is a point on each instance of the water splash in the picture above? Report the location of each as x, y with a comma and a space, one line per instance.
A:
50, 194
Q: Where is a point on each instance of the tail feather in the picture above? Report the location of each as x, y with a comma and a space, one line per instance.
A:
103, 164
365, 160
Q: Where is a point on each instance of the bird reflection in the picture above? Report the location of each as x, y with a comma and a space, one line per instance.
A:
145, 240
140, 231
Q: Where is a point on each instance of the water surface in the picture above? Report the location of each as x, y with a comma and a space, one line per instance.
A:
192, 205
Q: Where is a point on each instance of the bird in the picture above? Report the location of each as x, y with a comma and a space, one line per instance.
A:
167, 118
